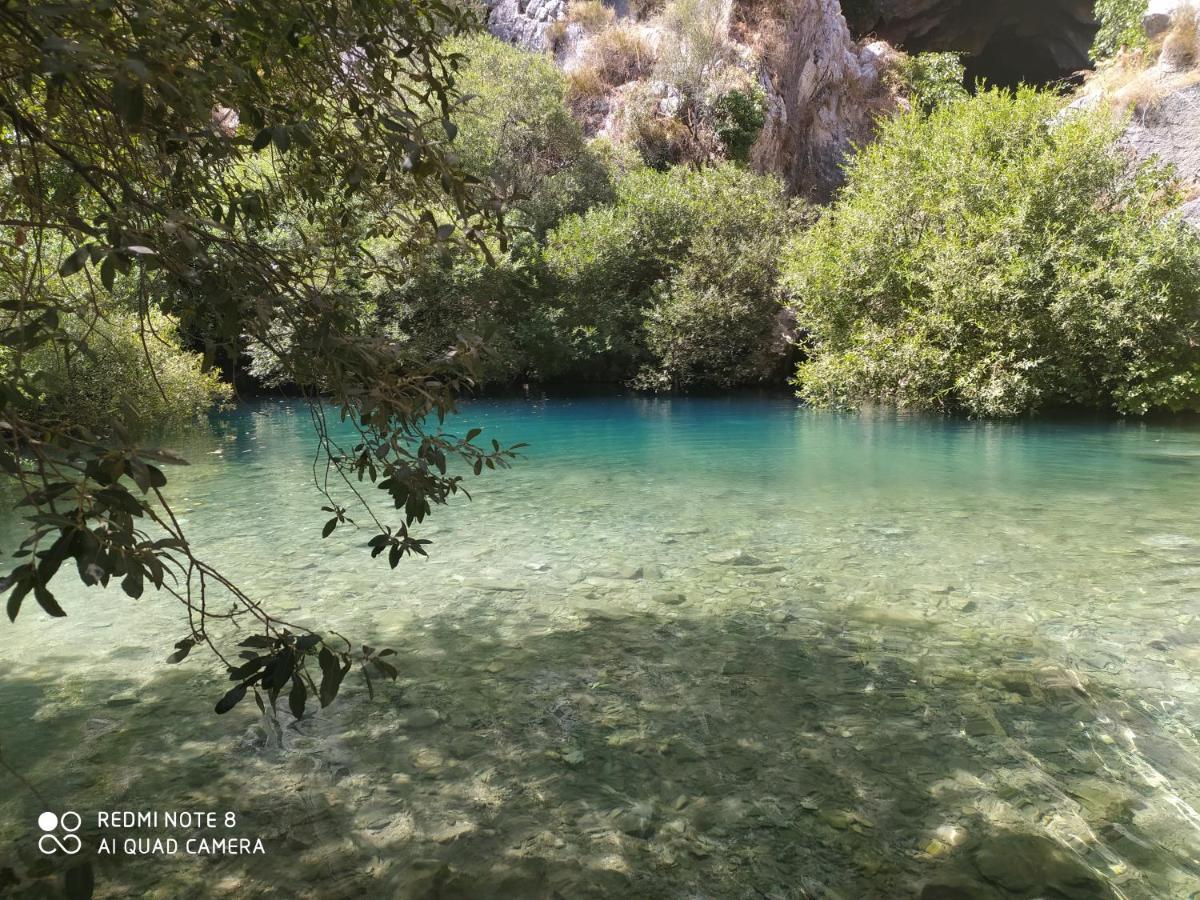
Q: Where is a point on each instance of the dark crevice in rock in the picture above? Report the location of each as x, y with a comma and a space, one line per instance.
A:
1031, 41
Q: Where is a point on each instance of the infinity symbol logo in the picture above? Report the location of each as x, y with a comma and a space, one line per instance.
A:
70, 843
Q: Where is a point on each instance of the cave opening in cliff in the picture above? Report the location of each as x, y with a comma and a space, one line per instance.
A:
1037, 42
1009, 59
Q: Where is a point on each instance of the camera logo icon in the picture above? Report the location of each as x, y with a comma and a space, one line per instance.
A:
50, 843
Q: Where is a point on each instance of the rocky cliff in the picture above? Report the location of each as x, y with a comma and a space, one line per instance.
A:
524, 22
825, 92
825, 77
823, 89
1158, 89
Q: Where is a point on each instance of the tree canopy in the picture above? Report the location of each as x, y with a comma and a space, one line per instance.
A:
1000, 256
218, 167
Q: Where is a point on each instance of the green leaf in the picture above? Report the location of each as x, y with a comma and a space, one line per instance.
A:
307, 642
331, 676
46, 601
129, 102
231, 699
282, 138
297, 696
237, 673
329, 526
74, 262
15, 598
182, 649
261, 139
386, 668
108, 272
279, 670
131, 584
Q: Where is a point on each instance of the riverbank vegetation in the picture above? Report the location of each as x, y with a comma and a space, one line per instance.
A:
998, 257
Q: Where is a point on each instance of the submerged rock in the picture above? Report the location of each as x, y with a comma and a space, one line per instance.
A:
1029, 866
492, 584
627, 572
420, 718
734, 558
962, 889
670, 598
1103, 798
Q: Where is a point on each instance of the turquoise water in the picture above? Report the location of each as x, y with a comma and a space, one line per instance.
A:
701, 648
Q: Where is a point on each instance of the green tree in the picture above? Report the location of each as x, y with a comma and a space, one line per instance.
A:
110, 379
515, 128
676, 282
739, 116
223, 164
998, 256
1120, 26
933, 79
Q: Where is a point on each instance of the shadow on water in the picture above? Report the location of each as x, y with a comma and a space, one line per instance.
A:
631, 754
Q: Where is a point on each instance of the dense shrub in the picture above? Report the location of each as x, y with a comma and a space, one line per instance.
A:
1120, 26
661, 141
695, 44
516, 129
517, 132
109, 370
676, 282
739, 116
447, 297
933, 79
999, 256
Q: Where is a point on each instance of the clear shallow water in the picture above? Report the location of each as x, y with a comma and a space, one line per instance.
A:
686, 648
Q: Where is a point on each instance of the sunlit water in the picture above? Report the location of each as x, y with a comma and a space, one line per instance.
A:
686, 648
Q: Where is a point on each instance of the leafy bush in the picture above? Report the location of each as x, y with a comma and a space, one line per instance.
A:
739, 116
446, 297
996, 257
933, 79
516, 130
102, 373
676, 282
1120, 26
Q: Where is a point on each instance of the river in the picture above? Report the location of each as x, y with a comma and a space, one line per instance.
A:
701, 648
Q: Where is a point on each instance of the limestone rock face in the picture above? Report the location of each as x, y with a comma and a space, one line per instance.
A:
1159, 15
824, 91
824, 95
1191, 212
524, 22
1169, 131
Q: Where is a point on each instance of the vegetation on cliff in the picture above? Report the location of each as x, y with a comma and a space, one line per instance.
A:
996, 257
